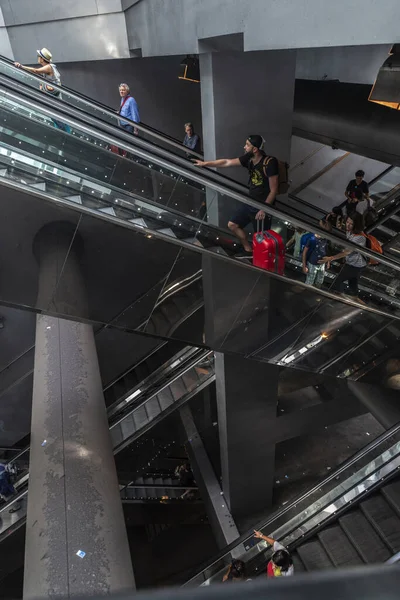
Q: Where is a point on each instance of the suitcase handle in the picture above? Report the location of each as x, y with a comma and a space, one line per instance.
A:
260, 225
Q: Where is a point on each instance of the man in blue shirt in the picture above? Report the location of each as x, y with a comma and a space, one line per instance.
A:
128, 109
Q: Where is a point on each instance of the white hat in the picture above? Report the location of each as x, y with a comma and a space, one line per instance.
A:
45, 54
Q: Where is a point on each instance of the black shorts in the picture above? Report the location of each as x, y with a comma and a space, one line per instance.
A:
244, 215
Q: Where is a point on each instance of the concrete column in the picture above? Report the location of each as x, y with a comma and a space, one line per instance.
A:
243, 93
381, 402
76, 541
247, 393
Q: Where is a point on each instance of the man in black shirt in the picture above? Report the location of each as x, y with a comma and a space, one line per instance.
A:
263, 186
357, 184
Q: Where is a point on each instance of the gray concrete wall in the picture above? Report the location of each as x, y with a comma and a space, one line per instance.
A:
103, 29
165, 102
71, 29
350, 64
266, 24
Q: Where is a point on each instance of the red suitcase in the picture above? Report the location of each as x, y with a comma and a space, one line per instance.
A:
269, 251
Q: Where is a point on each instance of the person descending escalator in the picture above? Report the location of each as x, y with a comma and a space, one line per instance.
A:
295, 241
7, 489
236, 572
281, 563
186, 480
355, 262
264, 185
49, 71
316, 248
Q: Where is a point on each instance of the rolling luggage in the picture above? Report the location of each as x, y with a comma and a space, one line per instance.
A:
268, 251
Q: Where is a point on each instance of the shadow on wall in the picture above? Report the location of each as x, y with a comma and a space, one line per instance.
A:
165, 102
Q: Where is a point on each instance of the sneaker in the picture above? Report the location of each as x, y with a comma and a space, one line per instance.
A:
245, 254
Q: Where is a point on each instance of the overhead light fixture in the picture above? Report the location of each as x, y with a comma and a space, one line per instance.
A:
190, 69
386, 89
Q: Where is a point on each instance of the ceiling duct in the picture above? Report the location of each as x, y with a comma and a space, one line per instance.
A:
386, 89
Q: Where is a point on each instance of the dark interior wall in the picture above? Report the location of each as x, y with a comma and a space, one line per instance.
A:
165, 102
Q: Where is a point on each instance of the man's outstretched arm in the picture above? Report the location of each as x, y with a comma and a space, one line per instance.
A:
221, 162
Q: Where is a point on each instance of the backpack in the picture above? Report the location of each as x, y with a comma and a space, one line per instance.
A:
317, 250
370, 215
304, 241
283, 174
373, 244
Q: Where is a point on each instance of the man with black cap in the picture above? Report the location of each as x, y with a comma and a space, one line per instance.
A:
263, 186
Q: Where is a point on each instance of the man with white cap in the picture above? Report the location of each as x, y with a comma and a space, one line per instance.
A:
50, 72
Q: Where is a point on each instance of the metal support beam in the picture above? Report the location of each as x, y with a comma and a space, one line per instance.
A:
221, 520
382, 403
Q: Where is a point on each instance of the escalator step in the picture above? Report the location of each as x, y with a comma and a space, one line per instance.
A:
190, 379
385, 521
297, 563
364, 537
165, 398
338, 547
153, 407
178, 389
392, 494
128, 427
140, 417
313, 556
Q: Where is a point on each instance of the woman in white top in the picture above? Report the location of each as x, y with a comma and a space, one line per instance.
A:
355, 262
47, 69
281, 564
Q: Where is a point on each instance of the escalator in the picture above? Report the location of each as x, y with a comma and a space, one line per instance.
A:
368, 534
143, 406
159, 200
51, 166
350, 518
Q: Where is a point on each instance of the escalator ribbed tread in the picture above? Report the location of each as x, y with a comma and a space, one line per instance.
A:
297, 563
165, 398
392, 494
153, 407
364, 537
178, 388
313, 556
338, 547
384, 519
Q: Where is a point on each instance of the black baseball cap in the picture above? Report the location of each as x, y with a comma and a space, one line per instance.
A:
256, 141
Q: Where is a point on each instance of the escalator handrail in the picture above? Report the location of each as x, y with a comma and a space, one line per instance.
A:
158, 380
225, 179
90, 102
194, 173
157, 134
200, 354
230, 183
280, 513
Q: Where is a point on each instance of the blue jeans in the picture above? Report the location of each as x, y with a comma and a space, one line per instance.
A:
128, 128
